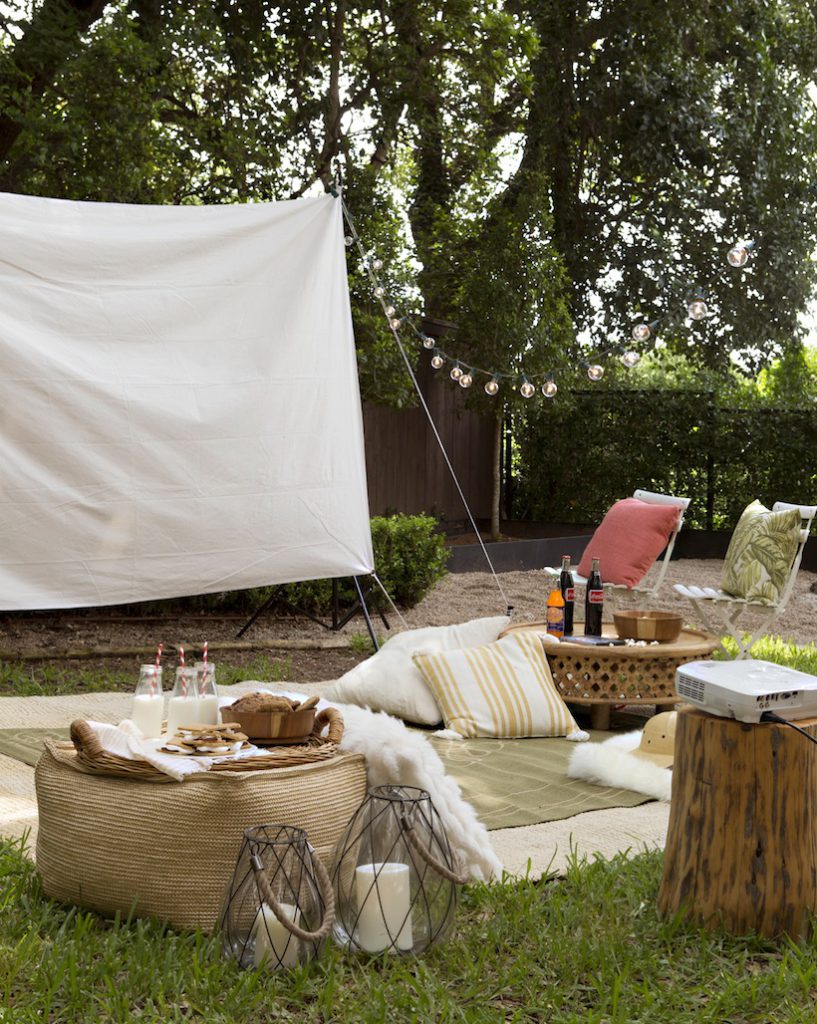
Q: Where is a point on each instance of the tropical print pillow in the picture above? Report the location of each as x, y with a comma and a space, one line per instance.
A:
761, 552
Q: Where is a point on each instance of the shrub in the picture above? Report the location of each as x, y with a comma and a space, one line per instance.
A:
409, 557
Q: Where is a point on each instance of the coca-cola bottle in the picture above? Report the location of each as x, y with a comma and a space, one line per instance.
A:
566, 586
593, 601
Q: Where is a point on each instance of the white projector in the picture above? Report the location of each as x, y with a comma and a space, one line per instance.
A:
745, 689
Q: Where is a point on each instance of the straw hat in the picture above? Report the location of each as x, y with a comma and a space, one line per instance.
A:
658, 740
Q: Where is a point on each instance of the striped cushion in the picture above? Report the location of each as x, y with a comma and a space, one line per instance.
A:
502, 689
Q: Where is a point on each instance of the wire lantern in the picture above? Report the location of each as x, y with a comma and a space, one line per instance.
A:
394, 875
279, 906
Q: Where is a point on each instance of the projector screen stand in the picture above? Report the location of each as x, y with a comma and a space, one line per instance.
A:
339, 618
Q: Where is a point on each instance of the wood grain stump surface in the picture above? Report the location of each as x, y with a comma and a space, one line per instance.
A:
742, 841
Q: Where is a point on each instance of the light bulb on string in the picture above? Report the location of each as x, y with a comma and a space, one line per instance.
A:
466, 380
456, 372
437, 360
380, 291
549, 389
527, 389
427, 342
697, 309
377, 264
348, 240
389, 310
492, 387
642, 332
738, 255
394, 323
595, 371
630, 358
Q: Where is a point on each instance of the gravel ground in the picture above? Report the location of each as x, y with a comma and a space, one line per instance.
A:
456, 598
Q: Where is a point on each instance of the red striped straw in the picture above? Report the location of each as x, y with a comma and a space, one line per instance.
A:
204, 670
155, 676
184, 674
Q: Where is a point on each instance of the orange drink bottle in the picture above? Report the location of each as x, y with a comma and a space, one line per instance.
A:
556, 613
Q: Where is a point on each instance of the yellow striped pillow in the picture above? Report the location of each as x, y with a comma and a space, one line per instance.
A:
502, 689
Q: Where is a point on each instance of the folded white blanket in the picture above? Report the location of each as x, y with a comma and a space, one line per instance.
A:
394, 755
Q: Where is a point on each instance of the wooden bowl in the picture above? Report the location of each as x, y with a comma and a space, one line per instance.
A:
274, 728
634, 625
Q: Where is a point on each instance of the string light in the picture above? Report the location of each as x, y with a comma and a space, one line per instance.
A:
697, 308
738, 255
630, 358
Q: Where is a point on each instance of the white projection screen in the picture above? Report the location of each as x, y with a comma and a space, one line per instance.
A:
179, 404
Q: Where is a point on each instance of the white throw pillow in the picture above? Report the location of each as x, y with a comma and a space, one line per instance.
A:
390, 681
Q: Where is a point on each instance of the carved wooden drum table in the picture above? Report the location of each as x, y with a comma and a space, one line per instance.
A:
602, 677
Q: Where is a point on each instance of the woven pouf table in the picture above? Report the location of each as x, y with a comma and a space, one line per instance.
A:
602, 677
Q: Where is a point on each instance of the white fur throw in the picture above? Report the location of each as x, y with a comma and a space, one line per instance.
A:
399, 756
611, 763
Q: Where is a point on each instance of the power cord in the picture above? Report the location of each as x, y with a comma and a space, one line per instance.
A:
770, 716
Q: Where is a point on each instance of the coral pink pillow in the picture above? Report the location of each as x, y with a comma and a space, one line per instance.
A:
629, 539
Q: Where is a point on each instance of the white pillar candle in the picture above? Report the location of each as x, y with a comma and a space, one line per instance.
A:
383, 898
274, 943
147, 713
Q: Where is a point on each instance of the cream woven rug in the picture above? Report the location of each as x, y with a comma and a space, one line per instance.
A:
536, 849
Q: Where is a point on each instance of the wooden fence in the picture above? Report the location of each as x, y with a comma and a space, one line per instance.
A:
405, 468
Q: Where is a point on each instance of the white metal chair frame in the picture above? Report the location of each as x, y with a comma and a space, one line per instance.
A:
721, 612
651, 498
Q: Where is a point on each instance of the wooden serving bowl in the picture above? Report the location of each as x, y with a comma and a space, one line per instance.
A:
635, 625
274, 728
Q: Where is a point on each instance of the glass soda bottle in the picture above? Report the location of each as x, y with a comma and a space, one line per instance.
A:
593, 601
555, 613
567, 587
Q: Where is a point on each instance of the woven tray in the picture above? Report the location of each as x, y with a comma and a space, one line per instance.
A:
90, 756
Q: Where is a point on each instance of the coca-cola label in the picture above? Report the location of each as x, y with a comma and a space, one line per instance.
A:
569, 594
595, 596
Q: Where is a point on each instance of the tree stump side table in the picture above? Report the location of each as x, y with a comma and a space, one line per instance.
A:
742, 841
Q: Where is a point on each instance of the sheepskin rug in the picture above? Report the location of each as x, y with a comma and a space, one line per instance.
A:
613, 764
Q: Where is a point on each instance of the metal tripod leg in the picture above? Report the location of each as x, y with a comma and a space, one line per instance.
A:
365, 611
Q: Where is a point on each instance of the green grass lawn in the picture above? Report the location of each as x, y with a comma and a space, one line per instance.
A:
588, 948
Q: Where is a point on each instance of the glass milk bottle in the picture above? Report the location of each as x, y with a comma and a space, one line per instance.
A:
208, 693
183, 706
148, 706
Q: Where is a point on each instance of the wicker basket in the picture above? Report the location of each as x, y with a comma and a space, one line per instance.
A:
117, 844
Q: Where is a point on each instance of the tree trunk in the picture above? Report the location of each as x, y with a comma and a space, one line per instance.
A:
742, 842
496, 492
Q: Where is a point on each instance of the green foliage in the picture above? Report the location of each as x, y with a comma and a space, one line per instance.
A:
588, 948
781, 652
409, 556
587, 449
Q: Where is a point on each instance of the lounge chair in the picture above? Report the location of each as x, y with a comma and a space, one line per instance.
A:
721, 612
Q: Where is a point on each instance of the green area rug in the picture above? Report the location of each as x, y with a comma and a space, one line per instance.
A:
524, 782
509, 782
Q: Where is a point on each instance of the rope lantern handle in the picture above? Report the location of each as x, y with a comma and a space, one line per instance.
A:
325, 886
334, 719
423, 851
